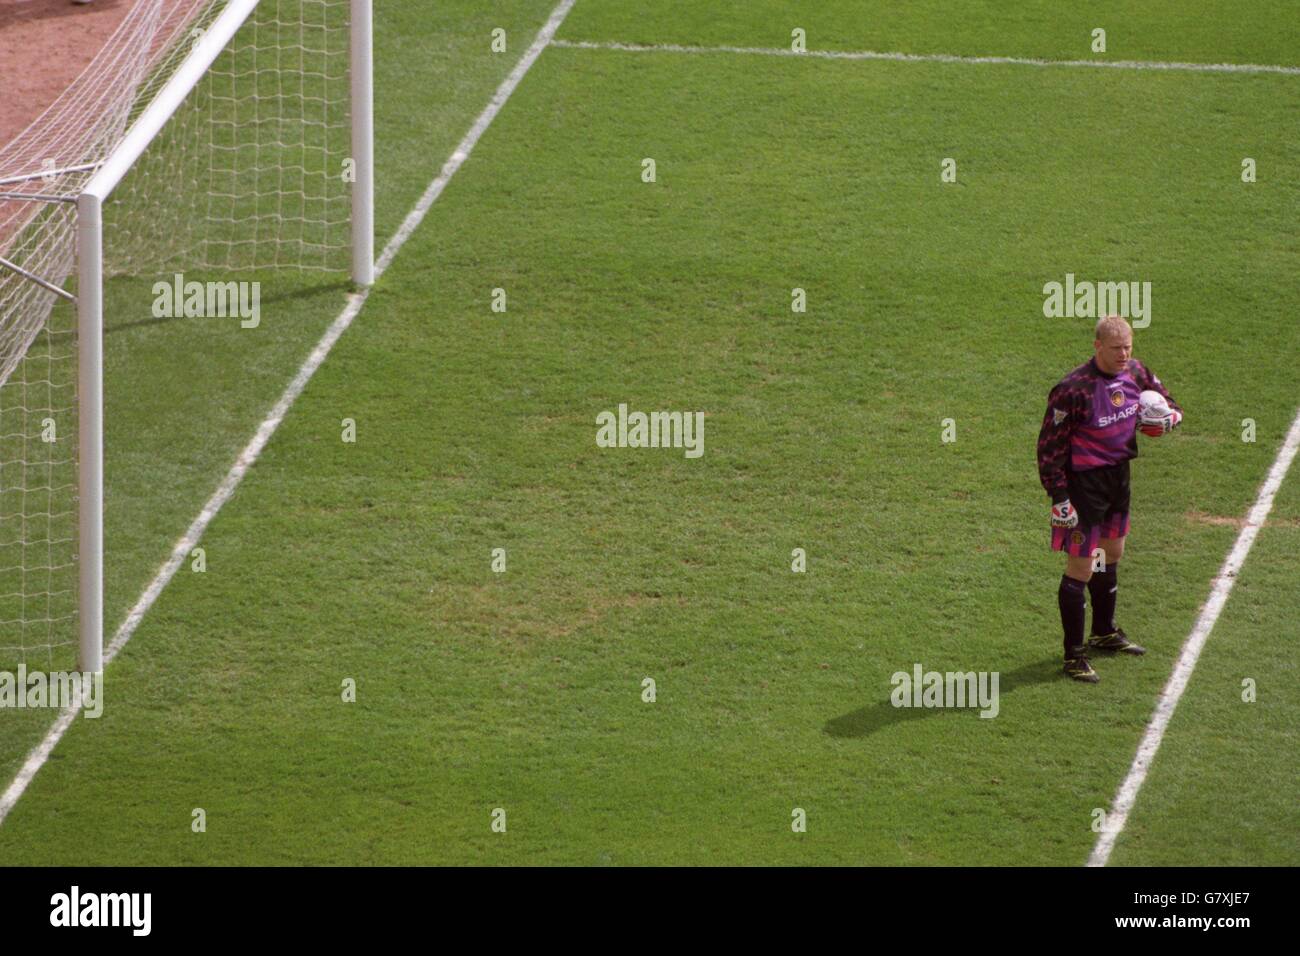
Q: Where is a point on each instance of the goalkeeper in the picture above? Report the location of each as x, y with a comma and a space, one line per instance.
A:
1089, 434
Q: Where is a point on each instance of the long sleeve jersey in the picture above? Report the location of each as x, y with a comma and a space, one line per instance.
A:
1091, 422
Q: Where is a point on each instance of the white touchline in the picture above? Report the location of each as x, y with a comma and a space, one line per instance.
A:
927, 57
36, 759
1169, 697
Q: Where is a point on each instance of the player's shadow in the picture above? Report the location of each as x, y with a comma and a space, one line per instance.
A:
867, 720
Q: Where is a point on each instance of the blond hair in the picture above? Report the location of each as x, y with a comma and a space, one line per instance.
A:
1110, 326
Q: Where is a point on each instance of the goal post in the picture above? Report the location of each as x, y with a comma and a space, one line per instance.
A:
90, 433
363, 143
91, 252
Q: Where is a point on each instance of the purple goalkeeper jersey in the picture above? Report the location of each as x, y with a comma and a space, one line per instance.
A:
1091, 422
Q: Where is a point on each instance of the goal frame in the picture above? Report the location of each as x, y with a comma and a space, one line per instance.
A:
90, 274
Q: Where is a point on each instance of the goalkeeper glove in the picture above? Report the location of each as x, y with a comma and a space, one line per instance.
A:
1064, 515
1157, 426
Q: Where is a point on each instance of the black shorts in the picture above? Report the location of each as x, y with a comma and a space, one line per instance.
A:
1100, 493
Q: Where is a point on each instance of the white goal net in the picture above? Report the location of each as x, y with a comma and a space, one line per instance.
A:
253, 170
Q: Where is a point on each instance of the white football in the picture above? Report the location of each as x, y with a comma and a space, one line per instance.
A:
1153, 404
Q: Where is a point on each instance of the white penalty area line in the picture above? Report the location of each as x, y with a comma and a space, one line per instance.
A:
41, 753
928, 57
1192, 647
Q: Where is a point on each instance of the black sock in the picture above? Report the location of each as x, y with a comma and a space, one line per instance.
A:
1103, 587
1069, 597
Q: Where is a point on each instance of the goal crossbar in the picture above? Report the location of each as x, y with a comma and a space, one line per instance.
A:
169, 98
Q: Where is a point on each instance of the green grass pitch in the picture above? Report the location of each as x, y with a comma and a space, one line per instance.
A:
476, 431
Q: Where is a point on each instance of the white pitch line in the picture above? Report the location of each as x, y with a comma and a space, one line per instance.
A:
1178, 680
41, 753
928, 57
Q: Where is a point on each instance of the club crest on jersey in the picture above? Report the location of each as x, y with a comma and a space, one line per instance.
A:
1059, 416
1076, 538
1117, 397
